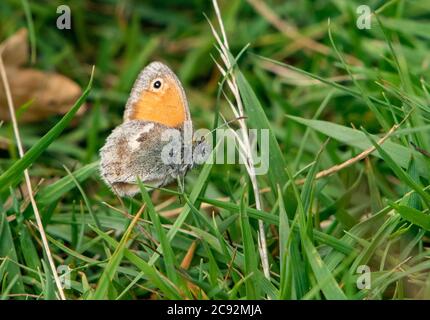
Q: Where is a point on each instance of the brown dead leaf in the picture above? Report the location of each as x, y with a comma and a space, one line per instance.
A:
48, 93
186, 262
195, 290
15, 49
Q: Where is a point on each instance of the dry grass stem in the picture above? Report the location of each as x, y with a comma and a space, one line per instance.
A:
243, 140
349, 162
27, 179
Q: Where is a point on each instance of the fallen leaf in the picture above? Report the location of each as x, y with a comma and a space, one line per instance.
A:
47, 93
15, 49
50, 94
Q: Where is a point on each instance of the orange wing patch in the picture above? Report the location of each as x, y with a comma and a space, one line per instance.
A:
165, 106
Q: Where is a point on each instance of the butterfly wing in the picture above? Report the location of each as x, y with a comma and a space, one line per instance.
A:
158, 96
157, 105
135, 149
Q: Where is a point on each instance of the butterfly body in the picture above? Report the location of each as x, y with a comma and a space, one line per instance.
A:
140, 147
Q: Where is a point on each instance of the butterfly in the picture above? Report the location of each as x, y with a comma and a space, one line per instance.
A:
151, 144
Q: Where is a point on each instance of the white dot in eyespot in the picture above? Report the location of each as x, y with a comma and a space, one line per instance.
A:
157, 84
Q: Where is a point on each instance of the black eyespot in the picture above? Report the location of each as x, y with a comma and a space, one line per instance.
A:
157, 84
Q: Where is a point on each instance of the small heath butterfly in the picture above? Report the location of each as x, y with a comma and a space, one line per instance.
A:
150, 143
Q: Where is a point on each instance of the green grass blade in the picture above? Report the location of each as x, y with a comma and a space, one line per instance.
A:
400, 173
166, 249
250, 254
355, 138
8, 251
151, 272
258, 120
200, 184
413, 215
58, 189
110, 270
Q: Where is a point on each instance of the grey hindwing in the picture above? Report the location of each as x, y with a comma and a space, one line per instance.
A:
134, 149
